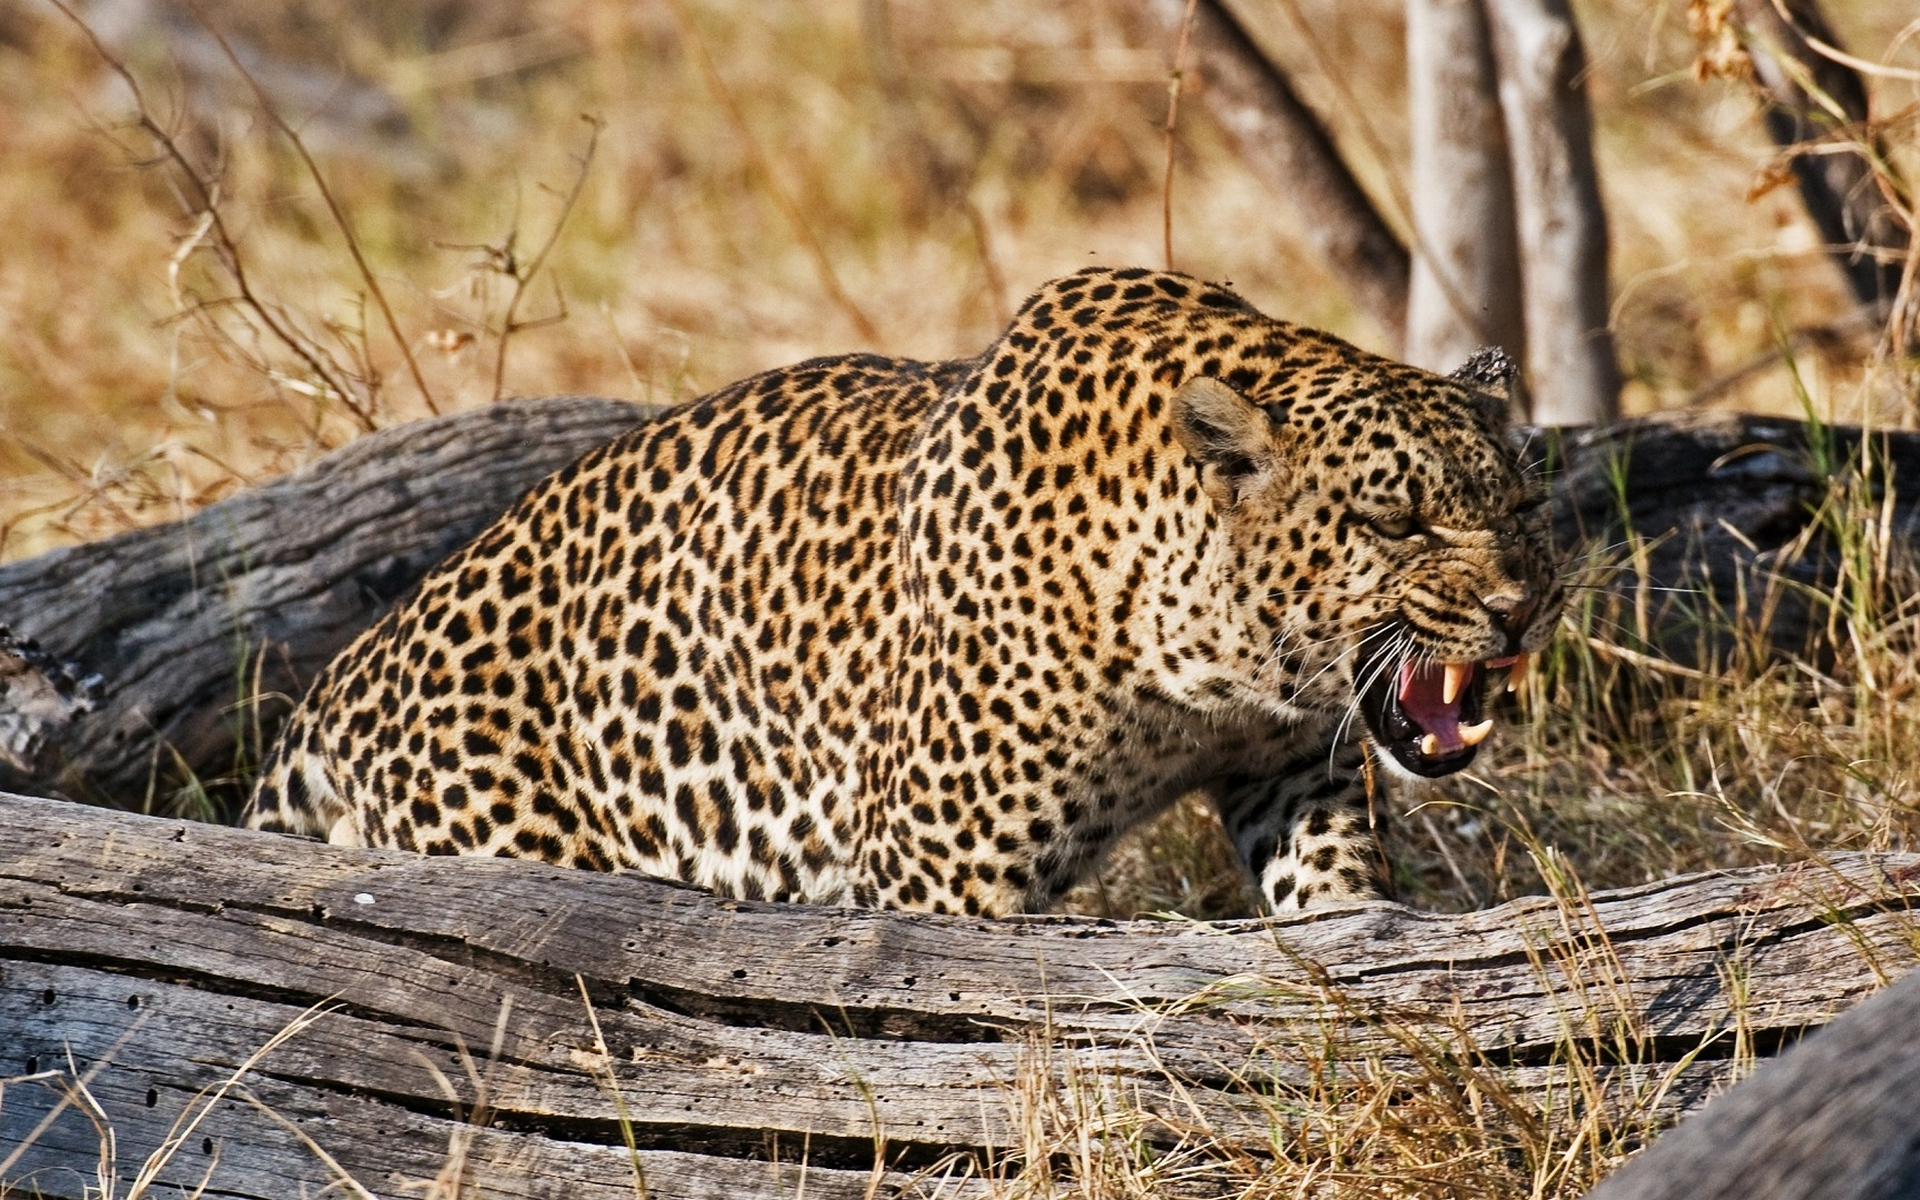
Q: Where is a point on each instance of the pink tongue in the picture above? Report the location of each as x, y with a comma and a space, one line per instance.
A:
1420, 691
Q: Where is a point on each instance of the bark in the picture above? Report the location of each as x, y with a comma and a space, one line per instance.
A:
126, 661
147, 649
1572, 376
1834, 1119
1466, 289
152, 958
1818, 108
1286, 146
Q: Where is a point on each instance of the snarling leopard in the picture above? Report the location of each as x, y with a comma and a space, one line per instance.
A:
934, 635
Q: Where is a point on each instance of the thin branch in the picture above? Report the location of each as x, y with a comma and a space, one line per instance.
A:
521, 279
326, 193
730, 108
1285, 145
1175, 82
207, 203
989, 264
1835, 54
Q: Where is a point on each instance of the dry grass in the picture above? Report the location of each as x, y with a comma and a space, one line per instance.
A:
894, 176
930, 167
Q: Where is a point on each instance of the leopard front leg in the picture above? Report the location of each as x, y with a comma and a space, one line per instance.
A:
1307, 832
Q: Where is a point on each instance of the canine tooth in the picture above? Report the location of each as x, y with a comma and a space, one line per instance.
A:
1473, 735
1430, 746
1458, 675
1518, 672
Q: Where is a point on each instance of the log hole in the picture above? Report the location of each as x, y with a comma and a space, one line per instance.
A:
854, 1019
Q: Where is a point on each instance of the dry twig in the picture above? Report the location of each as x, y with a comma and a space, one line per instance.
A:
326, 193
730, 108
204, 203
1176, 80
509, 322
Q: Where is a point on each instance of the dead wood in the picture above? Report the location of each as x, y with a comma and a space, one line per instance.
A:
1833, 1119
152, 957
131, 662
1816, 109
1703, 530
1286, 145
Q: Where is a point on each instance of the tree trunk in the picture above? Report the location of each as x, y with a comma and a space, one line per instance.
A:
1813, 101
1571, 373
529, 1031
127, 661
1466, 288
148, 650
1285, 145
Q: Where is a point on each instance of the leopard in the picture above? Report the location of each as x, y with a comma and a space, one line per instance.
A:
882, 633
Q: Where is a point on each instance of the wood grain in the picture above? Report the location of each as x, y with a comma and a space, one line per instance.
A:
741, 1038
1835, 1118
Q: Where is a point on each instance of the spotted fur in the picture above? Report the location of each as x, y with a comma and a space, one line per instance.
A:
933, 636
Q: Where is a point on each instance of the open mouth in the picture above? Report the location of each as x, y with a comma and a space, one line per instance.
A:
1429, 715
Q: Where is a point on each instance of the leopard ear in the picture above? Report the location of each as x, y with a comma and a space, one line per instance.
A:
1230, 437
1494, 380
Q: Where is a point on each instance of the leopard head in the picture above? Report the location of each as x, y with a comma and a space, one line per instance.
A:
1390, 559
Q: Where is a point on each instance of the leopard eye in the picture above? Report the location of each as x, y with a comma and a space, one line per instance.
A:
1395, 525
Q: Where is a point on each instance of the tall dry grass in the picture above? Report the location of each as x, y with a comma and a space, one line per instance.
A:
929, 163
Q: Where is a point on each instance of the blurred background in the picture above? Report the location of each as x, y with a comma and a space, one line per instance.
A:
647, 200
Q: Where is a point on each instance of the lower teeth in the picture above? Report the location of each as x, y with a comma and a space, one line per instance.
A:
1470, 736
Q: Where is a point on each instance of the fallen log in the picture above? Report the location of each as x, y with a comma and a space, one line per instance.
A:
1835, 1118
1705, 530
152, 665
268, 1017
130, 664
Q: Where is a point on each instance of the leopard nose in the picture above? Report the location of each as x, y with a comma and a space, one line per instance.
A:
1514, 609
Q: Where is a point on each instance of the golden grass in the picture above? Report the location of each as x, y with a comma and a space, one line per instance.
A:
943, 162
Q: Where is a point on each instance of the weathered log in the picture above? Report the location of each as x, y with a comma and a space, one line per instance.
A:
731, 1042
130, 659
149, 647
1709, 529
1835, 1118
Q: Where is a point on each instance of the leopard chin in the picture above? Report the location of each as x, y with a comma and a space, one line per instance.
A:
1429, 716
